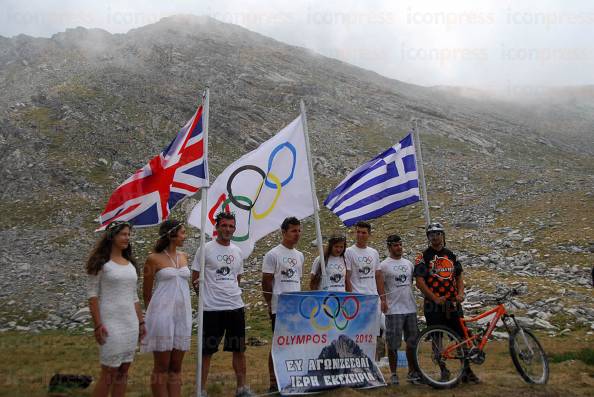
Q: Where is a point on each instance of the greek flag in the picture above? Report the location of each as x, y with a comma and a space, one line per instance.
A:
383, 184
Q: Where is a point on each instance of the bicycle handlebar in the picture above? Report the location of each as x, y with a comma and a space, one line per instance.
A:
511, 292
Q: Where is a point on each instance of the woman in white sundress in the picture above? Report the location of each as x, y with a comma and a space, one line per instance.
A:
114, 307
166, 294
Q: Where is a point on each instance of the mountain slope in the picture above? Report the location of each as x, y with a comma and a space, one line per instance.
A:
83, 109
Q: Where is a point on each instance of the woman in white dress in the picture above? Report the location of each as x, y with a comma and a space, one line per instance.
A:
166, 294
114, 307
335, 267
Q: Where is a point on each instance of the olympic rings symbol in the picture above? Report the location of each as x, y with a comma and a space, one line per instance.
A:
338, 313
269, 179
336, 267
364, 259
290, 261
228, 259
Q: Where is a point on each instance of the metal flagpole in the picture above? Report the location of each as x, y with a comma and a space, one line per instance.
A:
417, 142
313, 195
203, 217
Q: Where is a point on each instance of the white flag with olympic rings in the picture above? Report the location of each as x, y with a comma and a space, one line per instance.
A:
262, 188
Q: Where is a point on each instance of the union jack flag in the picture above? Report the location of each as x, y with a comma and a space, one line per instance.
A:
147, 197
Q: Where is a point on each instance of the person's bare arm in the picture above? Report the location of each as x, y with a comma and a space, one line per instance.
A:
196, 280
348, 286
314, 282
267, 282
379, 282
460, 288
148, 275
140, 315
100, 331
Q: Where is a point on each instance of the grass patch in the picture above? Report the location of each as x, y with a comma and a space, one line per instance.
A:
31, 360
585, 355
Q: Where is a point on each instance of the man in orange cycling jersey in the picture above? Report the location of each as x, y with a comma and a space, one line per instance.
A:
439, 277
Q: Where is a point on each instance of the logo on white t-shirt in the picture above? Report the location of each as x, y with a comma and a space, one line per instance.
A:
224, 270
401, 273
363, 263
224, 261
228, 259
288, 272
335, 278
336, 267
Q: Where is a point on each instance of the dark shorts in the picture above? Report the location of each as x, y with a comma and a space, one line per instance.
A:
399, 324
228, 323
448, 315
273, 321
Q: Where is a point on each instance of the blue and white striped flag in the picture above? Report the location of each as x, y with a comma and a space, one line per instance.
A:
383, 184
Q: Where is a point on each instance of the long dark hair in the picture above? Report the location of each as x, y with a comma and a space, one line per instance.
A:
168, 229
332, 241
102, 251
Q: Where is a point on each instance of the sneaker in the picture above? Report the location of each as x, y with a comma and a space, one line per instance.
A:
244, 392
394, 379
415, 378
469, 377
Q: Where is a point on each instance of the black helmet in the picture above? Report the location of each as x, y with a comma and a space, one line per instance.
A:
435, 227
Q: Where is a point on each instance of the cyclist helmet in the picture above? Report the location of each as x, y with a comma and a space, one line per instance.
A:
435, 227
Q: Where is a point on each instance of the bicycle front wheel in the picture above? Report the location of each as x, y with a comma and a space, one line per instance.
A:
438, 359
529, 357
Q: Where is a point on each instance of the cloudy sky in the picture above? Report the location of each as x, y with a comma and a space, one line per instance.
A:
506, 45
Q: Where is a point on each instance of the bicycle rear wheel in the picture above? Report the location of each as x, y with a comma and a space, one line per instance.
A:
528, 357
440, 366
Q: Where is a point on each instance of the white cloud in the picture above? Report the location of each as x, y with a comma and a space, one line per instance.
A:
471, 43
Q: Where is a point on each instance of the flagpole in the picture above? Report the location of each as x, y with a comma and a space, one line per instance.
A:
313, 195
417, 142
203, 217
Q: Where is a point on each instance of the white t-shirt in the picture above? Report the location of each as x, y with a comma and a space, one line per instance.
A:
287, 267
335, 273
398, 276
223, 264
362, 263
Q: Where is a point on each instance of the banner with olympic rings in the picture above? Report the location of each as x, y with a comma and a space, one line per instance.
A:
324, 340
262, 188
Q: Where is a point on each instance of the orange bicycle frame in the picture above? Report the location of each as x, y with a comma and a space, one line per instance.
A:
469, 340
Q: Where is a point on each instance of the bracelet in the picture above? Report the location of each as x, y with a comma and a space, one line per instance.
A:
141, 323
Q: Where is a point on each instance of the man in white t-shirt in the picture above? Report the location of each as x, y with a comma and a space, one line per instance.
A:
224, 313
401, 317
282, 268
362, 264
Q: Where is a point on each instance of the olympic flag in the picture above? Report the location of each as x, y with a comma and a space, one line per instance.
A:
325, 340
262, 188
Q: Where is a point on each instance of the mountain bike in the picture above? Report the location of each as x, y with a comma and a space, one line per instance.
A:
441, 354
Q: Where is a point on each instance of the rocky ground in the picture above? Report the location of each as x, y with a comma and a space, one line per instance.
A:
513, 183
